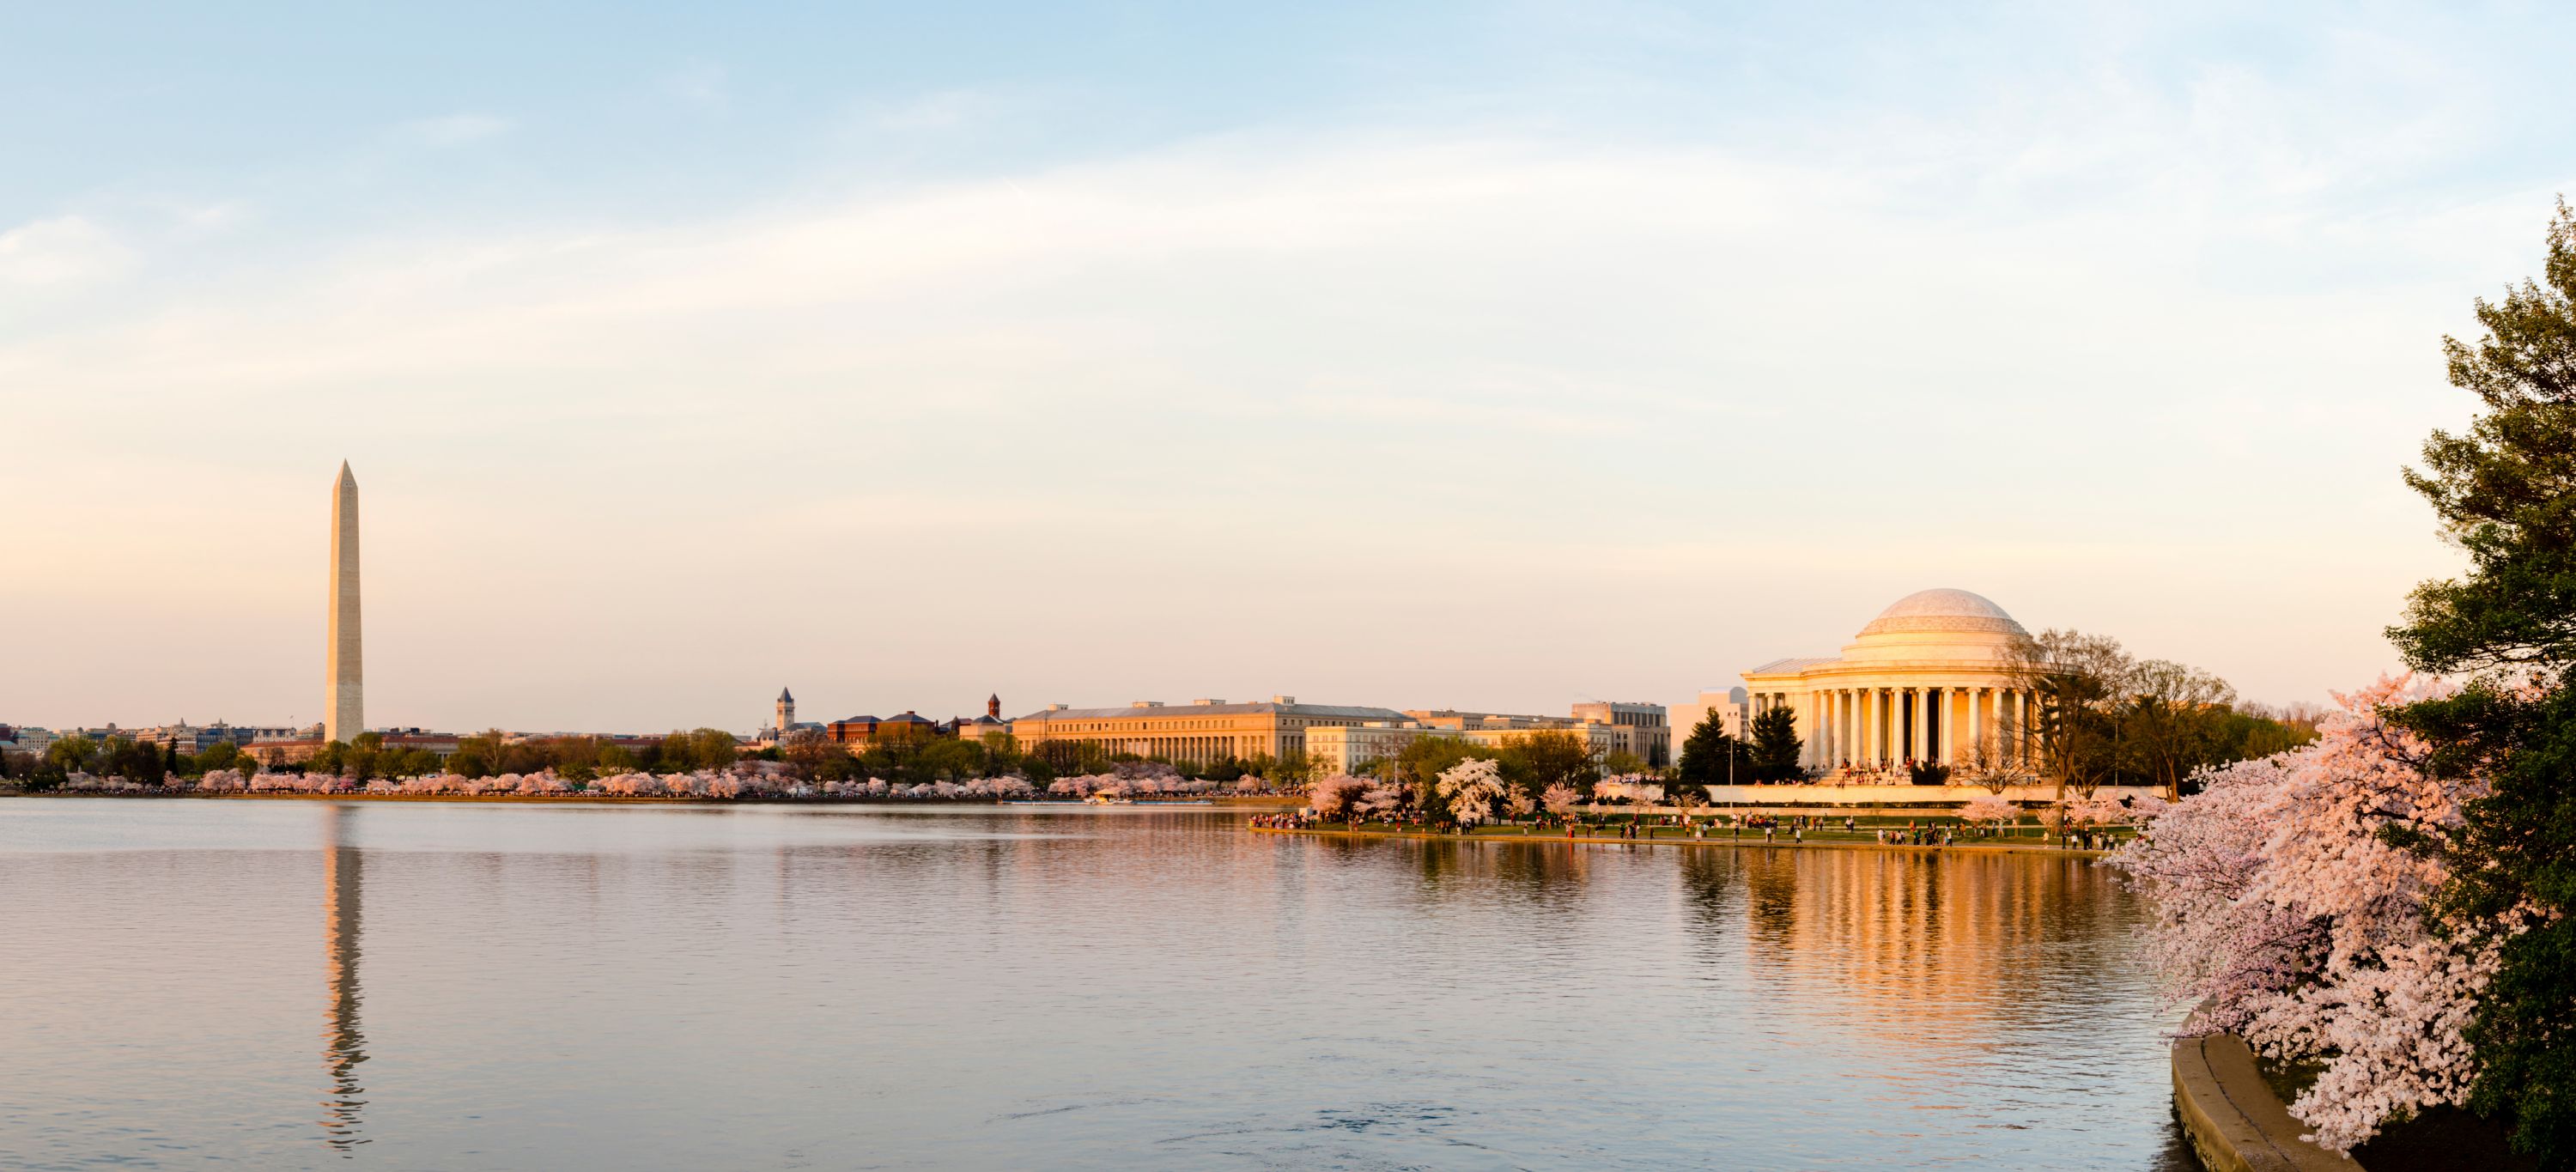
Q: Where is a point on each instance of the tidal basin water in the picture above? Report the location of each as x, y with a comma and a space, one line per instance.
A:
194, 984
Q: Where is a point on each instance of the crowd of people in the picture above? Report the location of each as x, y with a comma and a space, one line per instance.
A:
1773, 828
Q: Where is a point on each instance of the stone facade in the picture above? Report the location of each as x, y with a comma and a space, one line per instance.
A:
344, 691
1343, 748
1640, 730
1931, 679
1199, 733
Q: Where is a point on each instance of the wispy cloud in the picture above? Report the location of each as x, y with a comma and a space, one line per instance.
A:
62, 251
1502, 331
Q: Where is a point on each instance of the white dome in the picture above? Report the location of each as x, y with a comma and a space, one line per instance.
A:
1942, 610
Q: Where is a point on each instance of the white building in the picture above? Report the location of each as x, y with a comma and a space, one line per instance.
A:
1931, 679
1348, 747
1732, 706
32, 741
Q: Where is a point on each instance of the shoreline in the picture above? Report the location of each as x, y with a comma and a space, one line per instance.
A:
591, 799
1991, 848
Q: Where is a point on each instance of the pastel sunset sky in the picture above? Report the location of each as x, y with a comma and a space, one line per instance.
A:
1490, 356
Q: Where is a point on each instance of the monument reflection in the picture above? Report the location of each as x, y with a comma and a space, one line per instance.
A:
343, 1044
1926, 940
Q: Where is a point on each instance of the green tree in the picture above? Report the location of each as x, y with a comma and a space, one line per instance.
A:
220, 755
815, 757
1712, 756
1292, 770
133, 761
714, 748
2505, 493
948, 759
30, 771
1419, 766
574, 758
73, 754
1550, 757
1776, 747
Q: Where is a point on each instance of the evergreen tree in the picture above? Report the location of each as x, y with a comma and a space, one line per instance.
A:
1776, 747
2506, 495
1711, 756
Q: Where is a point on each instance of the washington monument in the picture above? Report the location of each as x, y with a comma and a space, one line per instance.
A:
344, 698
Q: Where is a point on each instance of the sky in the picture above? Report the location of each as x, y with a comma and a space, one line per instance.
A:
1482, 356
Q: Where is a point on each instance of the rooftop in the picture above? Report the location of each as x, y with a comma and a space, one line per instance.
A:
1331, 711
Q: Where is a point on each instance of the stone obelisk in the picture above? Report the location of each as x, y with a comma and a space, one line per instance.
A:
344, 703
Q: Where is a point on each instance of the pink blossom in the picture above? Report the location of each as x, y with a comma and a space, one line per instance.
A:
2284, 913
1332, 794
1989, 808
1471, 786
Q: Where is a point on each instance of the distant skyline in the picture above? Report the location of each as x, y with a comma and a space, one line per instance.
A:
1406, 355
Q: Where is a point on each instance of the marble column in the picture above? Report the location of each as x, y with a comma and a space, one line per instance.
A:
1807, 730
2008, 722
1916, 705
1976, 723
1953, 717
1868, 727
1842, 725
2021, 727
1895, 725
1820, 736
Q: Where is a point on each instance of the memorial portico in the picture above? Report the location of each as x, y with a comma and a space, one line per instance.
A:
1931, 679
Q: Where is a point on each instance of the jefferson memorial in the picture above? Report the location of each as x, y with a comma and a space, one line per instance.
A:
1930, 679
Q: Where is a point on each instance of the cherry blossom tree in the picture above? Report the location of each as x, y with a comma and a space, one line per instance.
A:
1471, 787
1380, 800
2293, 904
2094, 810
1332, 793
1632, 788
1560, 798
1991, 809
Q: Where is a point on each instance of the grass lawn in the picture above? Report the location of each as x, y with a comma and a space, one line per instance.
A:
1866, 834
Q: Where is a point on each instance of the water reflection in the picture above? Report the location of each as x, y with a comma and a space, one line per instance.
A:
1913, 935
343, 1045
745, 987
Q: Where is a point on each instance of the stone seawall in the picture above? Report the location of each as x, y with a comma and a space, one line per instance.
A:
2235, 1122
